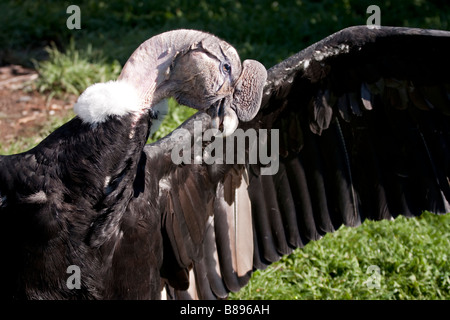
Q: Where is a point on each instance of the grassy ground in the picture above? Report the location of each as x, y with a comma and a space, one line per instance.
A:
411, 255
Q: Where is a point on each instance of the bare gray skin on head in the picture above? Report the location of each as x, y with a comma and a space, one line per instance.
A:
200, 71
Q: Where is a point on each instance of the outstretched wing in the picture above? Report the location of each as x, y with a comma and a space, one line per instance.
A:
363, 120
184, 195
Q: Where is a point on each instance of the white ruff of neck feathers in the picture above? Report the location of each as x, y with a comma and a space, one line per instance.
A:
113, 98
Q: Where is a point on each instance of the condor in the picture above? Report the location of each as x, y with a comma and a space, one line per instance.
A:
364, 133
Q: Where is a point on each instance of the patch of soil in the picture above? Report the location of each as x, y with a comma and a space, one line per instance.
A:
23, 110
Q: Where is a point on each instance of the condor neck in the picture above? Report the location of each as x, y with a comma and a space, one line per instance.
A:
150, 63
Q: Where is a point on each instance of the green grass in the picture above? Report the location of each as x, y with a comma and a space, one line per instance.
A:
74, 70
412, 254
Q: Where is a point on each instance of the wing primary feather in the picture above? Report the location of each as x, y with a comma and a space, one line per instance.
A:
178, 230
287, 207
302, 199
243, 236
202, 285
274, 215
317, 181
183, 295
225, 245
339, 171
212, 262
355, 218
369, 182
258, 261
264, 235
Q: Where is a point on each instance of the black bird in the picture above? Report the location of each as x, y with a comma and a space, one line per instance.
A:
74, 202
361, 122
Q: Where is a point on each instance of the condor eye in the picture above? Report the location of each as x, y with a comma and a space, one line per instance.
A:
226, 68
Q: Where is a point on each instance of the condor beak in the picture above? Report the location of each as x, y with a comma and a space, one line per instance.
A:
244, 101
223, 117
